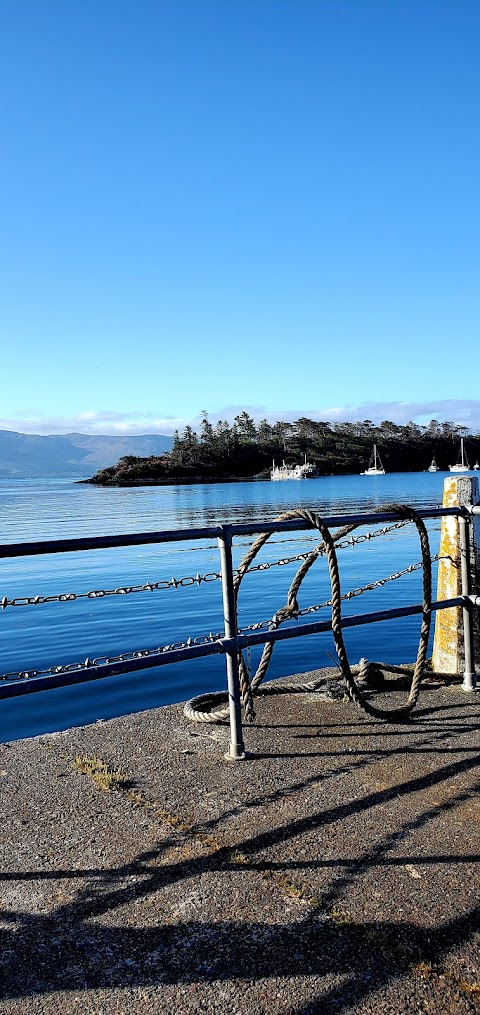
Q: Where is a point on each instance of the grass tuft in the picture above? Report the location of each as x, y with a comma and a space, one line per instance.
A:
103, 775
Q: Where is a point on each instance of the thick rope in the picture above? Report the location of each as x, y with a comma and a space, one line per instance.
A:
356, 695
247, 689
205, 708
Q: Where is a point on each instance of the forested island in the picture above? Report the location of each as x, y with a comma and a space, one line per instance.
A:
246, 450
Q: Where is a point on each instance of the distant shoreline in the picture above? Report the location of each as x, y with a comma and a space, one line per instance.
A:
203, 480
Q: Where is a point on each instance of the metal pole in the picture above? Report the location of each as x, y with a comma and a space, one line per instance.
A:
469, 676
236, 747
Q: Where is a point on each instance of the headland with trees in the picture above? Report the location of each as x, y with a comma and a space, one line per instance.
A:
245, 450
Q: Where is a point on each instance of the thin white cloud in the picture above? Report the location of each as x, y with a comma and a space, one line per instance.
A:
112, 422
461, 411
95, 423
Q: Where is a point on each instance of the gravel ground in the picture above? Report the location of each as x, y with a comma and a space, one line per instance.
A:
335, 870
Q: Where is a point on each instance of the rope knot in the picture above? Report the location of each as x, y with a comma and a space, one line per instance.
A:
285, 613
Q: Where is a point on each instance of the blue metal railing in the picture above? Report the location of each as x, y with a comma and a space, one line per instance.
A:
230, 643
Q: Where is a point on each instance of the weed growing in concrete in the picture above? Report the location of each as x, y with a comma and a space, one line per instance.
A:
103, 775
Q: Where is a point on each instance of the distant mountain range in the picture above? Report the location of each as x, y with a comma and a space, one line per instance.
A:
79, 455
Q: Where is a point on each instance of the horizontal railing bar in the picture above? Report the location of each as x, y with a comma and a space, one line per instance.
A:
106, 542
367, 517
208, 532
42, 683
359, 619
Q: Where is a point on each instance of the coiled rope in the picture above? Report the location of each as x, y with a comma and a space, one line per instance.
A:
211, 707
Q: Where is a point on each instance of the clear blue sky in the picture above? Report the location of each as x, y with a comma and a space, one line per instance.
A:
270, 204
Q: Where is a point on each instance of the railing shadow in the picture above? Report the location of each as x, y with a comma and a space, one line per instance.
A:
53, 954
70, 948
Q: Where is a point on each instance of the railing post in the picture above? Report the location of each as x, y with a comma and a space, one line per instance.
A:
236, 747
469, 675
457, 633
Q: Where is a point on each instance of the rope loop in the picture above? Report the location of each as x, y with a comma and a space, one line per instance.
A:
369, 673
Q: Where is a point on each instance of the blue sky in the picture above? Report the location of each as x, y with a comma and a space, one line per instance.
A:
228, 204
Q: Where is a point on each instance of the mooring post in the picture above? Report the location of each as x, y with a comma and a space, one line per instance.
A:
236, 747
469, 676
457, 638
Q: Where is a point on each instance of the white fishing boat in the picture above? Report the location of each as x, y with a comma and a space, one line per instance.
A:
461, 464
305, 471
433, 467
476, 466
375, 467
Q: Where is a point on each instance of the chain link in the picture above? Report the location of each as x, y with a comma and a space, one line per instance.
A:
198, 579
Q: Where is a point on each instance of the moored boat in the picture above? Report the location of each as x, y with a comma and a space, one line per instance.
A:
305, 471
461, 464
375, 467
433, 467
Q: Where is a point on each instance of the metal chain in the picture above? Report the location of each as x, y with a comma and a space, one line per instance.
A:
351, 594
205, 639
198, 579
101, 660
320, 550
124, 590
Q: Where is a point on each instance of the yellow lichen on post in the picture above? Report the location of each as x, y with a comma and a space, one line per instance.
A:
448, 645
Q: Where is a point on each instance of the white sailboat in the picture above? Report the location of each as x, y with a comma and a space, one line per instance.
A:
375, 467
433, 467
461, 464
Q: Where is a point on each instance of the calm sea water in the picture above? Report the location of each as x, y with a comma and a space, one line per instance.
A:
58, 633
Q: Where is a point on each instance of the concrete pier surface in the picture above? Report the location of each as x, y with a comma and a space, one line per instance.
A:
335, 870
